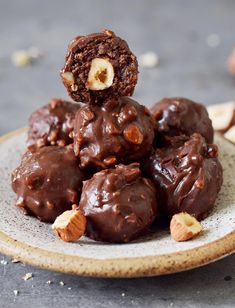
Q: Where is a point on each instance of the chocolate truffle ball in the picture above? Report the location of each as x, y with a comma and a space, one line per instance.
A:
119, 131
52, 124
176, 116
97, 66
118, 203
187, 177
48, 182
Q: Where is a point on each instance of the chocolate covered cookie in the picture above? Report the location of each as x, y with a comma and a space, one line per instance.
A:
98, 66
118, 131
187, 176
52, 124
48, 182
119, 204
177, 115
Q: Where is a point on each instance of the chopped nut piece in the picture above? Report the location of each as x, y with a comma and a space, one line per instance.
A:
50, 205
71, 134
184, 227
70, 225
101, 74
133, 134
87, 114
27, 276
53, 135
108, 32
109, 161
230, 134
15, 261
74, 87
68, 78
222, 115
61, 143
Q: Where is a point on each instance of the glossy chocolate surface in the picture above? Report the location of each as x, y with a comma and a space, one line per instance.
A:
48, 182
187, 176
118, 203
177, 116
119, 131
52, 124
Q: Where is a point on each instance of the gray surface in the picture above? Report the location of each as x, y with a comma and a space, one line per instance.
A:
177, 31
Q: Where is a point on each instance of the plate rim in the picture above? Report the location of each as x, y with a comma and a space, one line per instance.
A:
115, 267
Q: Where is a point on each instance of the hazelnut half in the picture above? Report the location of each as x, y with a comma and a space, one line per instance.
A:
184, 227
101, 74
133, 134
70, 225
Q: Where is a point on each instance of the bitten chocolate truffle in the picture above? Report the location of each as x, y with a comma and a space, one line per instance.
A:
177, 115
118, 131
187, 177
48, 182
97, 66
52, 124
119, 204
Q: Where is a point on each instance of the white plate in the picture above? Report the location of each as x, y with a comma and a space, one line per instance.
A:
33, 242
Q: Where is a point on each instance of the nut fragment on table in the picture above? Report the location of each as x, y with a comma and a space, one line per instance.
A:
222, 115
101, 74
21, 58
70, 225
149, 60
184, 227
26, 57
27, 276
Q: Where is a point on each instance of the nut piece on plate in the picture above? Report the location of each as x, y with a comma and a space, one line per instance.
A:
222, 116
101, 74
231, 62
70, 225
230, 134
184, 227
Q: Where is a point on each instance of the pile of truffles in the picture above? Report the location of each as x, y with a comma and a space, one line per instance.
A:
105, 166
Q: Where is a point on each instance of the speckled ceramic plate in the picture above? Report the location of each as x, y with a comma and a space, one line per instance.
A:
31, 241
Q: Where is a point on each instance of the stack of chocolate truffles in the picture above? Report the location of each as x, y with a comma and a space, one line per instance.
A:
124, 166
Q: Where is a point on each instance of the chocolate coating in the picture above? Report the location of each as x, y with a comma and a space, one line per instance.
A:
106, 45
119, 131
48, 182
187, 177
177, 115
52, 124
118, 203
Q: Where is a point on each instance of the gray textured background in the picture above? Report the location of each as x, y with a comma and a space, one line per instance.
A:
177, 31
